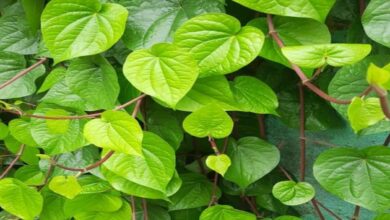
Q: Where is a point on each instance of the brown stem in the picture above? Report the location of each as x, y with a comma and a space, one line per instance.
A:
145, 209
23, 72
133, 208
261, 121
319, 213
13, 162
387, 141
87, 168
214, 145
284, 171
382, 94
302, 137
362, 6
253, 207
316, 73
328, 210
356, 213
137, 107
214, 198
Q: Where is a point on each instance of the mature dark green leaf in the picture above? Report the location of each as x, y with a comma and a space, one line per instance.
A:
30, 175
123, 213
33, 10
20, 129
375, 21
52, 206
3, 130
55, 76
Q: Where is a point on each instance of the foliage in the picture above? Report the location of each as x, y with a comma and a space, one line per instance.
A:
149, 109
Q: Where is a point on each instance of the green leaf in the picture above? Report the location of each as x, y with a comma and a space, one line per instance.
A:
378, 76
363, 113
287, 217
375, 21
164, 71
382, 216
287, 30
57, 126
292, 193
20, 200
123, 213
29, 153
94, 80
3, 131
223, 212
225, 48
252, 95
56, 141
30, 175
356, 176
33, 10
73, 28
208, 121
10, 65
117, 131
55, 76
252, 158
313, 56
135, 175
218, 163
196, 191
164, 17
66, 186
52, 206
92, 184
316, 9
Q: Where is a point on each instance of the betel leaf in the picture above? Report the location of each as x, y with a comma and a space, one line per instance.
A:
218, 43
66, 186
164, 17
164, 71
115, 130
316, 9
94, 80
20, 200
209, 121
73, 28
30, 175
252, 95
287, 217
313, 56
29, 153
363, 113
293, 193
196, 191
379, 76
10, 65
358, 176
123, 213
33, 12
52, 205
58, 140
219, 163
3, 130
293, 32
252, 158
152, 171
20, 129
57, 126
55, 76
222, 212
375, 21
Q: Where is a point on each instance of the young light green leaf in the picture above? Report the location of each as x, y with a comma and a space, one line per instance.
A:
313, 56
224, 212
292, 193
225, 48
375, 21
10, 65
378, 76
57, 126
73, 28
131, 173
363, 113
287, 217
356, 176
55, 76
210, 120
66, 186
316, 9
94, 80
164, 71
218, 163
117, 131
252, 158
20, 200
164, 17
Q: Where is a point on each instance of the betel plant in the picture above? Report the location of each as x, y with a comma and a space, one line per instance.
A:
156, 109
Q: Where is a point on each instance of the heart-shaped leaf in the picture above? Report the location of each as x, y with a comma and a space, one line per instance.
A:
164, 71
379, 76
316, 9
3, 131
20, 200
313, 56
225, 48
252, 158
123, 213
375, 21
219, 163
210, 120
117, 131
363, 113
73, 28
292, 193
356, 176
65, 185
224, 212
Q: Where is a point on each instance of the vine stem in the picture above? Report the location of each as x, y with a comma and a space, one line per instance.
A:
382, 94
253, 207
214, 198
315, 205
22, 73
145, 209
133, 208
356, 213
305, 81
387, 141
328, 210
13, 162
362, 6
262, 131
214, 146
302, 138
